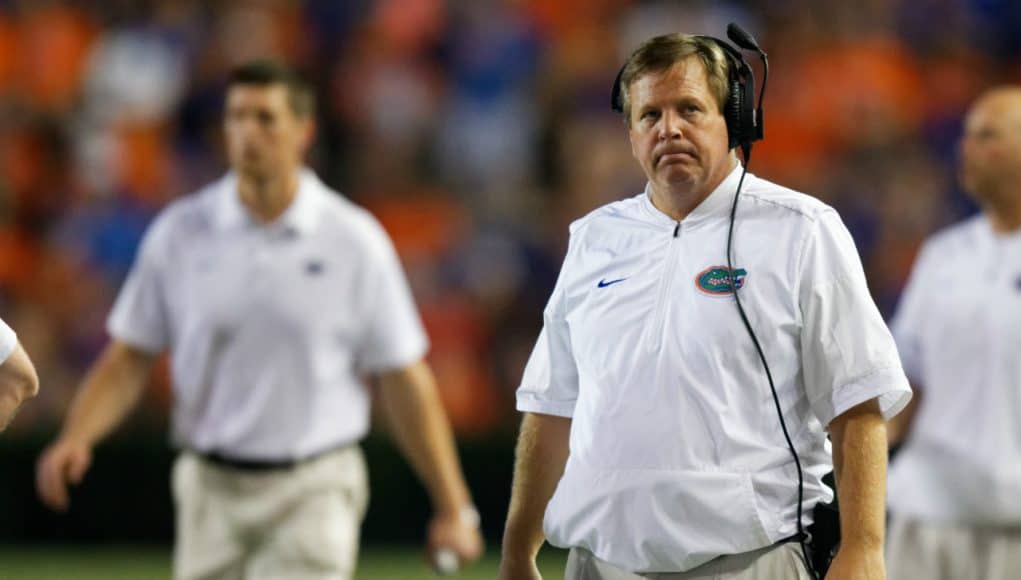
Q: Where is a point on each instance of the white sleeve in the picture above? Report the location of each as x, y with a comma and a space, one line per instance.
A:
848, 354
139, 315
8, 341
395, 337
908, 321
550, 382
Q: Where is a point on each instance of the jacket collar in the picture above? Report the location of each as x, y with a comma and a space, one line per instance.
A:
716, 204
301, 216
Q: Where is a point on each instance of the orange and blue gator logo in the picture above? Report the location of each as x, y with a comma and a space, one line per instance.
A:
715, 280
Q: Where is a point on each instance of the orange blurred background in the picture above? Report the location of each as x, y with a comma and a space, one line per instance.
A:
475, 130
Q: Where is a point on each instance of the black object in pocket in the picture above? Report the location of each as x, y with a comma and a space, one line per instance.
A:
824, 536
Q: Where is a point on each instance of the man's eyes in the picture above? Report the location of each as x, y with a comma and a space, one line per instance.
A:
261, 117
684, 109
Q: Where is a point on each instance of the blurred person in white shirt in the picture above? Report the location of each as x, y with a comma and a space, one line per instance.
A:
955, 483
275, 297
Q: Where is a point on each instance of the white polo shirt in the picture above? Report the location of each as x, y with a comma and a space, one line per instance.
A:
958, 329
8, 341
270, 326
676, 451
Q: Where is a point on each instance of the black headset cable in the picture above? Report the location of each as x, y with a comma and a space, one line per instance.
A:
802, 537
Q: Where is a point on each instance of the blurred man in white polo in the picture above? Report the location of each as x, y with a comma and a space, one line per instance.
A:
18, 380
650, 445
274, 296
955, 485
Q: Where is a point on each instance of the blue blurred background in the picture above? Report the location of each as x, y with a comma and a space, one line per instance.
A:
476, 130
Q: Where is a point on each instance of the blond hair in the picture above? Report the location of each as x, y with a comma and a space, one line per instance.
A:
662, 52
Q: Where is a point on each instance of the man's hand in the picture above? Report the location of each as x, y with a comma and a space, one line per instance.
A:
18, 382
852, 563
518, 568
410, 401
64, 462
458, 532
112, 387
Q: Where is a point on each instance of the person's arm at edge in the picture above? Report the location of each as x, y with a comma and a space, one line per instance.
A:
859, 464
412, 407
18, 382
898, 428
540, 458
109, 392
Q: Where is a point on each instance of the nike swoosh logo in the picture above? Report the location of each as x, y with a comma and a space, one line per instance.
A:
604, 283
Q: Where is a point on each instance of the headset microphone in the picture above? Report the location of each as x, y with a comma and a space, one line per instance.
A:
742, 37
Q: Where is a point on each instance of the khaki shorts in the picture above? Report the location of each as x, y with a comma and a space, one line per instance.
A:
300, 523
918, 550
783, 562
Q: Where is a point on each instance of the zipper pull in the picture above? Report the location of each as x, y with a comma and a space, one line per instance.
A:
677, 229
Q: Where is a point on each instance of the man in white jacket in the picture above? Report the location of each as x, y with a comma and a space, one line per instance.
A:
651, 446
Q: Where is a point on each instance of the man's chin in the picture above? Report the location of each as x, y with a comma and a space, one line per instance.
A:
253, 172
675, 176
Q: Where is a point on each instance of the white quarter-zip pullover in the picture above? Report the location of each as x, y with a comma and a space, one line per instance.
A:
676, 450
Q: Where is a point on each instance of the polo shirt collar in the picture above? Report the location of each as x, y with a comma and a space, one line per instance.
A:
301, 216
715, 205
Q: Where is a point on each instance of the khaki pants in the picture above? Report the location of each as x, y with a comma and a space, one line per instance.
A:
783, 562
298, 524
917, 550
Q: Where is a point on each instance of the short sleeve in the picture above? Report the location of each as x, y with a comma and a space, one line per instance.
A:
8, 341
848, 353
550, 382
908, 320
139, 316
395, 336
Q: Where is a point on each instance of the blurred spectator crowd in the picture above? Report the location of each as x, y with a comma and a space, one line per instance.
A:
476, 130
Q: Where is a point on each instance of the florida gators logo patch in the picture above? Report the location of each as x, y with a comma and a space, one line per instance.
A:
715, 281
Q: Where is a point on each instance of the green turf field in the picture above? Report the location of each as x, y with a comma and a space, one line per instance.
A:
145, 563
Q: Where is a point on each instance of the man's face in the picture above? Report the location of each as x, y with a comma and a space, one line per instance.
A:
991, 146
265, 138
678, 134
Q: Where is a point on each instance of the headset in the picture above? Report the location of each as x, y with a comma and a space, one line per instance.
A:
744, 126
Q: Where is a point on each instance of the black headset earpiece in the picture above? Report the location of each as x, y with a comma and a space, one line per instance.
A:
616, 99
743, 125
733, 114
739, 109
